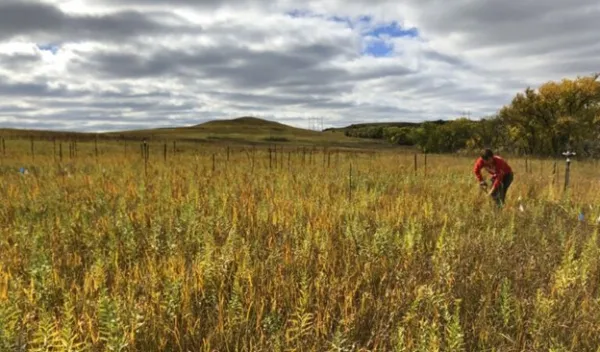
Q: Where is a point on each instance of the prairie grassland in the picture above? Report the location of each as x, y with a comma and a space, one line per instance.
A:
252, 255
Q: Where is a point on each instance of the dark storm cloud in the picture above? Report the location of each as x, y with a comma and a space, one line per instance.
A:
44, 22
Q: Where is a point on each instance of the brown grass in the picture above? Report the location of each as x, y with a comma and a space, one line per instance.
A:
258, 255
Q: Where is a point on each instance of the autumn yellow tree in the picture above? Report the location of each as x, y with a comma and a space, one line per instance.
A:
558, 115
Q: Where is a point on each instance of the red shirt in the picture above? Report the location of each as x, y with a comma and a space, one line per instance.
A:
498, 169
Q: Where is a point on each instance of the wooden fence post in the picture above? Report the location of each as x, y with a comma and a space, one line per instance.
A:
415, 162
32, 149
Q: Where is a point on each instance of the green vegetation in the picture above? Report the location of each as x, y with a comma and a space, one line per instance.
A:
539, 122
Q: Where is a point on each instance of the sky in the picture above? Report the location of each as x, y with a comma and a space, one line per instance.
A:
106, 65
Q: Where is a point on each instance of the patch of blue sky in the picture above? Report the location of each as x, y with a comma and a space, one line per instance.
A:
393, 30
375, 36
350, 22
378, 48
53, 48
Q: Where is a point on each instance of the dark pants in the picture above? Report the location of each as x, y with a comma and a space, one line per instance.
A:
499, 194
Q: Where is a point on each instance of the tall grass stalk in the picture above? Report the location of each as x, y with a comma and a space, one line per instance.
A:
248, 257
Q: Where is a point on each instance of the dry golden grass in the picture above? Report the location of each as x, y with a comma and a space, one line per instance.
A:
99, 254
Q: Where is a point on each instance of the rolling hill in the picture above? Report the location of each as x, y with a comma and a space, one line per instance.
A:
242, 130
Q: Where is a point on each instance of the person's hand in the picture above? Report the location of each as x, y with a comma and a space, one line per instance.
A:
483, 185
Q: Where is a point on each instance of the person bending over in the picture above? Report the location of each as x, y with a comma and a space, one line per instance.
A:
502, 175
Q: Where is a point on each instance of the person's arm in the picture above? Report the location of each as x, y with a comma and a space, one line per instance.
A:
501, 171
498, 180
477, 170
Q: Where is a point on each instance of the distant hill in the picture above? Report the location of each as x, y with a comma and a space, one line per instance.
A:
242, 130
251, 126
246, 121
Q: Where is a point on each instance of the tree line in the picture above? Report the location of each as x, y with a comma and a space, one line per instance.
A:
544, 122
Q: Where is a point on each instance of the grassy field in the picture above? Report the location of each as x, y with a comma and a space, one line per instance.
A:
326, 251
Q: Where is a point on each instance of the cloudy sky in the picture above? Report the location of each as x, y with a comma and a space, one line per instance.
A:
99, 65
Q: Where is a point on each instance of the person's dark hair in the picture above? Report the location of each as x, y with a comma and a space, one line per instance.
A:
487, 154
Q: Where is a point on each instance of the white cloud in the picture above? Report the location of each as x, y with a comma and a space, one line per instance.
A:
86, 65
